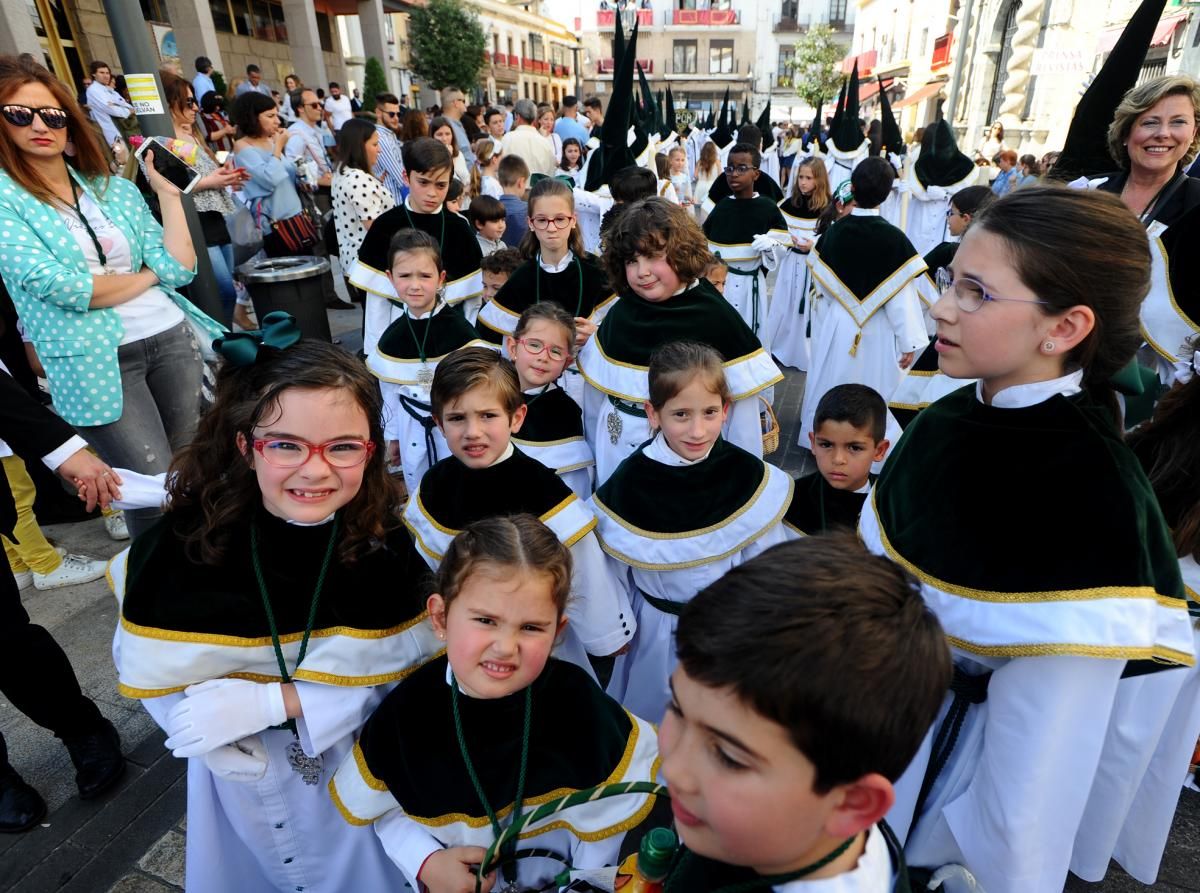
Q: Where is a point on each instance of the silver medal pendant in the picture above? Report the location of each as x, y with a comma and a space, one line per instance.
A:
308, 768
425, 375
615, 426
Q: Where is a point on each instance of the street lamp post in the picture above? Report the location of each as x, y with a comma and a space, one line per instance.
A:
136, 53
578, 74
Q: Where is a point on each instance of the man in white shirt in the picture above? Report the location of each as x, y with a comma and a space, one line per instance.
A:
202, 83
454, 104
105, 103
253, 82
527, 143
337, 107
493, 120
305, 140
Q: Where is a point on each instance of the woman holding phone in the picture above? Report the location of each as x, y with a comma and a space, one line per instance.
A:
211, 194
93, 276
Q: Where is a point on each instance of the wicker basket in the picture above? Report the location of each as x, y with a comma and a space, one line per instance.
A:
770, 434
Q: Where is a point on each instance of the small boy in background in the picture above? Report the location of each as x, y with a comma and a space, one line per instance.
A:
454, 197
497, 267
488, 217
513, 174
781, 767
847, 438
716, 273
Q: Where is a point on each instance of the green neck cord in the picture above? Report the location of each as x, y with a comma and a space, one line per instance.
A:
518, 801
442, 214
312, 611
537, 278
766, 881
428, 325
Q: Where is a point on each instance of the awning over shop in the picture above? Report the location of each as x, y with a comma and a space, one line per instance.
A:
1162, 34
870, 88
920, 93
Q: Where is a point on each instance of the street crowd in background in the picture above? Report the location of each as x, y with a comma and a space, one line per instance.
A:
519, 567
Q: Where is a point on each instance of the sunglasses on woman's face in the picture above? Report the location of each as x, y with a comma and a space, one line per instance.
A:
22, 116
191, 103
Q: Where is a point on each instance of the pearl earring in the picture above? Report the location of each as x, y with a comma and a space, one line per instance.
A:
1048, 347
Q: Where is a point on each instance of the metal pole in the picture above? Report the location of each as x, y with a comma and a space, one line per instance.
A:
578, 73
960, 60
137, 55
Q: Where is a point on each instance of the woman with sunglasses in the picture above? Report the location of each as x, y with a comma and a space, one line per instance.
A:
211, 194
93, 276
1038, 543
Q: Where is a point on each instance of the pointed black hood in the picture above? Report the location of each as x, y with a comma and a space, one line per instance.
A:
814, 131
941, 163
764, 124
1085, 152
672, 123
892, 139
613, 153
845, 134
723, 135
745, 112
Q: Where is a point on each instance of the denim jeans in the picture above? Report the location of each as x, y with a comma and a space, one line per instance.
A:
160, 386
221, 257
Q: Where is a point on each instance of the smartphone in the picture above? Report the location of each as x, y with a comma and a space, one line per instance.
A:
166, 163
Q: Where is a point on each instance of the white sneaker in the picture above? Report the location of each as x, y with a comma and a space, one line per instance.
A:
75, 569
24, 579
114, 523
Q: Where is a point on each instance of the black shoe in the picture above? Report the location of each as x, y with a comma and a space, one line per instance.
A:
21, 807
98, 760
339, 304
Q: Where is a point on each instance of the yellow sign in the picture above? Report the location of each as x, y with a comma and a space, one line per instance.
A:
143, 93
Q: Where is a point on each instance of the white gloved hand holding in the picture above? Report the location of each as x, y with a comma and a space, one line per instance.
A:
901, 186
220, 712
936, 193
764, 243
244, 760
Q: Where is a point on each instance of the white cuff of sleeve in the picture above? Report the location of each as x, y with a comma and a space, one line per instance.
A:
57, 457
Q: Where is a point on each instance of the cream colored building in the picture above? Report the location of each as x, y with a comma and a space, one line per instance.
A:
528, 55
1027, 61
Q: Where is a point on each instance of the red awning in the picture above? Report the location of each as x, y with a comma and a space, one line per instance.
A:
1162, 33
920, 93
870, 88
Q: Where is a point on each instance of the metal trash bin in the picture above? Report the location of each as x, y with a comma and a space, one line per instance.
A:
290, 284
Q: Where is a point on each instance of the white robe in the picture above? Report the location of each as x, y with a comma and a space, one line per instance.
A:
897, 328
840, 165
1014, 794
640, 678
926, 224
787, 321
278, 833
872, 874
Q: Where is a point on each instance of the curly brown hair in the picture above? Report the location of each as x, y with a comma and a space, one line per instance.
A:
211, 474
653, 227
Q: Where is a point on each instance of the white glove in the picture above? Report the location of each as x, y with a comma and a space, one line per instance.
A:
936, 193
244, 760
764, 243
896, 160
221, 711
901, 186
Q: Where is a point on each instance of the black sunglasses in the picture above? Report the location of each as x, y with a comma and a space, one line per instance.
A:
191, 102
22, 116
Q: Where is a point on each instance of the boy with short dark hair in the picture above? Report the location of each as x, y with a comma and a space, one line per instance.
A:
867, 319
629, 184
427, 173
477, 404
847, 438
513, 174
781, 766
488, 217
744, 230
497, 267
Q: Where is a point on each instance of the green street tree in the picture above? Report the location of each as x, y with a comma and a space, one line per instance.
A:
374, 81
816, 72
447, 43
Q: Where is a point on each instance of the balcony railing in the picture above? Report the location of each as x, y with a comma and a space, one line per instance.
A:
705, 17
606, 19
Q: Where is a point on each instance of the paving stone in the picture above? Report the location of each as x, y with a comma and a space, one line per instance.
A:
164, 860
140, 883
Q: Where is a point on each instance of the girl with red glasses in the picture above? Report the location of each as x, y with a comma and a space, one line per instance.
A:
273, 607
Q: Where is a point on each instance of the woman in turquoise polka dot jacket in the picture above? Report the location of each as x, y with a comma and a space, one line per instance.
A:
93, 277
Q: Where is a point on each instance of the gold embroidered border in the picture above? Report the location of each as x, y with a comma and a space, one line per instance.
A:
171, 635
